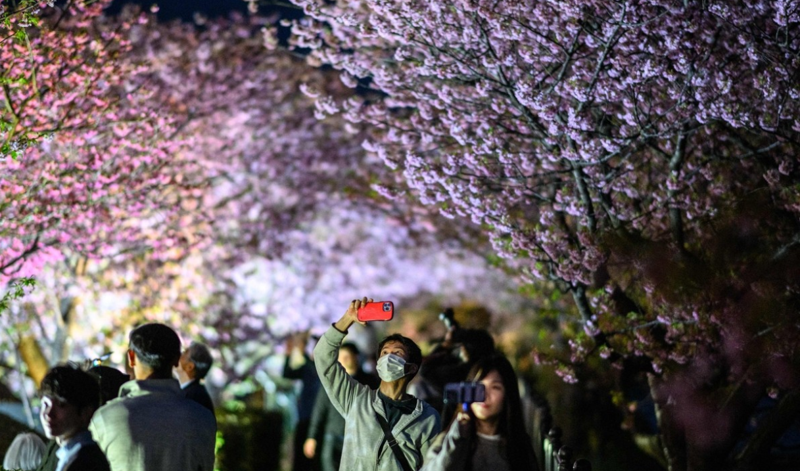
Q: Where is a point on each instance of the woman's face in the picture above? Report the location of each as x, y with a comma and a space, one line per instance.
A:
491, 408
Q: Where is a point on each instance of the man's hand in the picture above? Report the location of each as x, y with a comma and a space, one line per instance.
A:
310, 448
351, 315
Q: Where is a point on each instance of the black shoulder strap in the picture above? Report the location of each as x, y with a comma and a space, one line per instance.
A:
398, 453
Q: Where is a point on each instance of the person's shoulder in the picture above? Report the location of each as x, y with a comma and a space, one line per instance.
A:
195, 409
111, 407
91, 458
428, 411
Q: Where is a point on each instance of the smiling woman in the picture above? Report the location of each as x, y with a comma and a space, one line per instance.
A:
491, 434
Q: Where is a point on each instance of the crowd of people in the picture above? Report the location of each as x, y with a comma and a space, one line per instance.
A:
396, 423
101, 419
159, 416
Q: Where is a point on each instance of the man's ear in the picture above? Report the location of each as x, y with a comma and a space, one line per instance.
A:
131, 358
411, 368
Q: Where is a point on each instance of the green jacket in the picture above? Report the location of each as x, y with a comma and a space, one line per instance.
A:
365, 447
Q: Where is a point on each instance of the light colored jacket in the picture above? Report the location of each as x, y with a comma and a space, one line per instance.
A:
365, 447
151, 427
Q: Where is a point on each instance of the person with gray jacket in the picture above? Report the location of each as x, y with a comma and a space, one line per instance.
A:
386, 429
151, 426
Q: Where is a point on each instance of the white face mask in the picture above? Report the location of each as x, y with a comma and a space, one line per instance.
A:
391, 367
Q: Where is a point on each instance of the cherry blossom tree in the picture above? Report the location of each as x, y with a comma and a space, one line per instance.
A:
275, 205
641, 155
95, 186
292, 224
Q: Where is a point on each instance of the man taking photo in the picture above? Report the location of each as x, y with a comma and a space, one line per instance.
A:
386, 429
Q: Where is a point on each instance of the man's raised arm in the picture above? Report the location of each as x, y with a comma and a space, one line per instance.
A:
340, 387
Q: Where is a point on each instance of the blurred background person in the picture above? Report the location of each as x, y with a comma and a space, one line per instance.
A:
488, 435
110, 380
326, 429
25, 452
300, 366
450, 362
192, 369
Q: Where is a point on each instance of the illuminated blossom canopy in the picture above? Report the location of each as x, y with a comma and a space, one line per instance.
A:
641, 155
260, 219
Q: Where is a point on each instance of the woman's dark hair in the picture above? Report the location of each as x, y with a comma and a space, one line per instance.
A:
516, 442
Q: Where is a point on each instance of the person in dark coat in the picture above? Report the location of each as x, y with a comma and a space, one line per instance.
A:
300, 366
450, 362
70, 396
192, 368
326, 430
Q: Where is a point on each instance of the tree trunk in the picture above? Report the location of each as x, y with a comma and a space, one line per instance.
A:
34, 358
673, 438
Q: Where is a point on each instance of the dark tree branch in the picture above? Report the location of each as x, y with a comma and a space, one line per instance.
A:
675, 166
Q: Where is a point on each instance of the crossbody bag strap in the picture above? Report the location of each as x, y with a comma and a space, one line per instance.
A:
398, 453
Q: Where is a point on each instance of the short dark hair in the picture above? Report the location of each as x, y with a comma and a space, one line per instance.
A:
478, 343
72, 385
350, 347
156, 345
110, 380
201, 357
414, 353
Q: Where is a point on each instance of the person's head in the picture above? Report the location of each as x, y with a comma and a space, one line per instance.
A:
502, 404
25, 452
69, 398
194, 362
474, 344
153, 350
349, 358
110, 379
391, 368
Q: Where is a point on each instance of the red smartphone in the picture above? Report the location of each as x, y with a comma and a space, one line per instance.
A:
377, 311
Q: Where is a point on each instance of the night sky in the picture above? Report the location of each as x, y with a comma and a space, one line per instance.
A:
185, 9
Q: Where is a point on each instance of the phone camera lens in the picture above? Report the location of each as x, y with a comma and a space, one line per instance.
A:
387, 307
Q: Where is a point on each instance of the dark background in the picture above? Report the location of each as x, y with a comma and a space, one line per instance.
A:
185, 9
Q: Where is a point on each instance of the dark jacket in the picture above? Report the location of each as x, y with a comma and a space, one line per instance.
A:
50, 460
90, 458
307, 374
197, 392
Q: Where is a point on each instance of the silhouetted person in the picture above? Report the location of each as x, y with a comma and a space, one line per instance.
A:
301, 367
